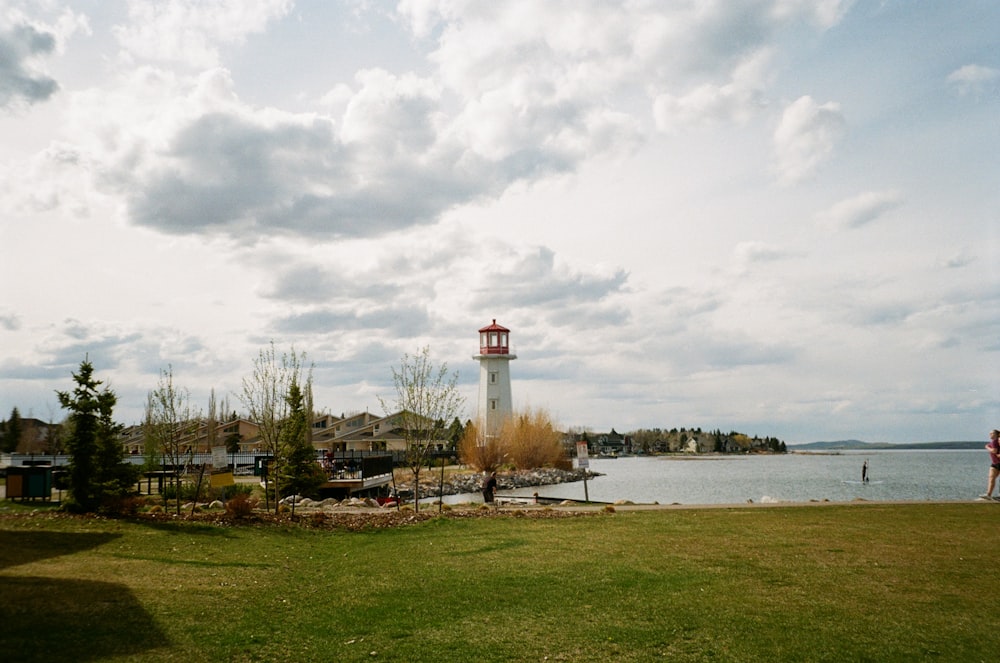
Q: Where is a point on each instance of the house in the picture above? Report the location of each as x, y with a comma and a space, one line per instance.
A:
195, 436
36, 437
361, 431
613, 444
366, 432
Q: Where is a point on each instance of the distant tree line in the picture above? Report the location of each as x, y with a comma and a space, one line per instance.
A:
660, 440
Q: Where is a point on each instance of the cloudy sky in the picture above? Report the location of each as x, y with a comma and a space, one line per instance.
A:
780, 217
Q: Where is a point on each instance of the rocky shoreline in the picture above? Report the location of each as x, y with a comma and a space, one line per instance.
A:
472, 482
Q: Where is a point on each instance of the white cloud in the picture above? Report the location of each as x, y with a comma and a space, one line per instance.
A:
806, 137
973, 78
735, 101
192, 31
748, 253
860, 210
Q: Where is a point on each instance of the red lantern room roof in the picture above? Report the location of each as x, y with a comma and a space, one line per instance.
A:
494, 327
494, 340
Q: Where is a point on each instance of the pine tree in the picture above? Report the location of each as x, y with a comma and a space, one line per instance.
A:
303, 475
13, 428
97, 469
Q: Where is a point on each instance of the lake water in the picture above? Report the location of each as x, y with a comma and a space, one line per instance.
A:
933, 475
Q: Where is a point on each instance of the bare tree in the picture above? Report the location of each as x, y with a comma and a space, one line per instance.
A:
53, 438
265, 397
427, 398
169, 421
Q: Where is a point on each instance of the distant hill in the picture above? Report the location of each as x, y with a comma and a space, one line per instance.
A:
858, 445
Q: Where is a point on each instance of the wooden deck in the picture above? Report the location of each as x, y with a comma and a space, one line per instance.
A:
351, 485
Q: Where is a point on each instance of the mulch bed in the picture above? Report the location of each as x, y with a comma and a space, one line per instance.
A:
353, 520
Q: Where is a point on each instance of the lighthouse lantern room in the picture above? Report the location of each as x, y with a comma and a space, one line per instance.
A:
495, 403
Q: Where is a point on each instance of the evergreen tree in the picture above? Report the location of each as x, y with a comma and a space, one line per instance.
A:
303, 475
455, 433
12, 431
97, 469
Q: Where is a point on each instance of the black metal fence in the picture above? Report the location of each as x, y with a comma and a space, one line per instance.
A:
241, 463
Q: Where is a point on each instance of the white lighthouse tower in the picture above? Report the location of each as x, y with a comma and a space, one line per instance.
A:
495, 403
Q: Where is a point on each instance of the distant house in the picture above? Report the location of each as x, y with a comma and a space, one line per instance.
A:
37, 437
613, 443
360, 432
356, 432
196, 436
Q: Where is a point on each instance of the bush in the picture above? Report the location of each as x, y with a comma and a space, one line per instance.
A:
241, 506
229, 492
123, 505
186, 491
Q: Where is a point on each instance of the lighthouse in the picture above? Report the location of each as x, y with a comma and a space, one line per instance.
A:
495, 403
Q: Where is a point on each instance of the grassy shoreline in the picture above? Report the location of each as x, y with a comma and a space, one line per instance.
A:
845, 582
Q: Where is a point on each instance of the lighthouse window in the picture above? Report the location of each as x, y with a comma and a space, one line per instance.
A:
503, 340
493, 339
482, 339
493, 404
493, 377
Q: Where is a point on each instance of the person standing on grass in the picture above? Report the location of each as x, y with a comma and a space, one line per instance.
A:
993, 446
490, 488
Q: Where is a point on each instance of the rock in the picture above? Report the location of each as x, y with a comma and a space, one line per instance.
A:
472, 482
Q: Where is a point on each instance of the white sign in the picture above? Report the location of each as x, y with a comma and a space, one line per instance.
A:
581, 455
219, 457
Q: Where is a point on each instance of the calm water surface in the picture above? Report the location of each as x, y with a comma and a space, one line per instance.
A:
795, 477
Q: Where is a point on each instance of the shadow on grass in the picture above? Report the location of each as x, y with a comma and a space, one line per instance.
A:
497, 546
46, 619
51, 619
23, 547
185, 527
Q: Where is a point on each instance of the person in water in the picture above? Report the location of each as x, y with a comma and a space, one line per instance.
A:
993, 446
864, 472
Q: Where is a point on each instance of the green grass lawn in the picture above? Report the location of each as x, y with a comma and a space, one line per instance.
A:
829, 583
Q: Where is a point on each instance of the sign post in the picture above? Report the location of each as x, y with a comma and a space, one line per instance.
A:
222, 475
583, 462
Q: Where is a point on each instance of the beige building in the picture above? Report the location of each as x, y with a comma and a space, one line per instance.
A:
356, 432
